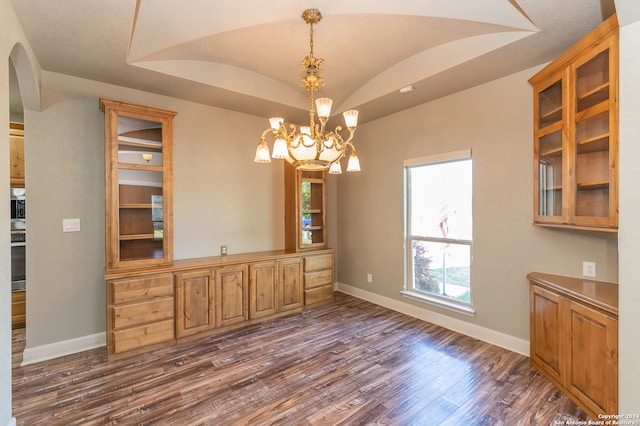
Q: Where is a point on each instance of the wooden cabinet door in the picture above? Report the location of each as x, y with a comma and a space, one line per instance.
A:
263, 298
292, 293
232, 294
548, 335
195, 302
16, 148
593, 376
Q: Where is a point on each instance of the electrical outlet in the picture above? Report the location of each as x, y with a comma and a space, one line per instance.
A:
589, 269
369, 278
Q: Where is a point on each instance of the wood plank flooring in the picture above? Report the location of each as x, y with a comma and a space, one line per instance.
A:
349, 363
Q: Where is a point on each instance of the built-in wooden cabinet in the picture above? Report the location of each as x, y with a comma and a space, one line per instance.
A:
153, 300
305, 209
195, 302
140, 312
138, 185
152, 307
576, 135
574, 338
16, 154
318, 279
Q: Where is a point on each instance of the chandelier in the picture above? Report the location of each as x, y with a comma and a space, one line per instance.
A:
312, 148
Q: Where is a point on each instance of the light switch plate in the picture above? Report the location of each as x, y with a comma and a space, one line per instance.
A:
71, 225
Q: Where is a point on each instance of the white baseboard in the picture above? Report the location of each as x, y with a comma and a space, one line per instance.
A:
12, 422
488, 335
521, 346
66, 347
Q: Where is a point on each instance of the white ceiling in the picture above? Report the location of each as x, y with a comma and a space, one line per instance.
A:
244, 55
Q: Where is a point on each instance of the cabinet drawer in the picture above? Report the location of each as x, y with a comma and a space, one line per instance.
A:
144, 335
318, 263
317, 279
135, 289
142, 312
318, 295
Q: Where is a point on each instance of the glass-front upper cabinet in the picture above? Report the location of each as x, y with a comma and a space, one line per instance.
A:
576, 135
139, 187
550, 152
305, 209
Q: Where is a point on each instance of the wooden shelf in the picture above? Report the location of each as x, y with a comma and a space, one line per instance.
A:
556, 152
132, 237
594, 144
602, 90
552, 112
136, 206
144, 167
140, 145
593, 185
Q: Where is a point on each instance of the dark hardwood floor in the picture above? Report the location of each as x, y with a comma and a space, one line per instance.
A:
350, 363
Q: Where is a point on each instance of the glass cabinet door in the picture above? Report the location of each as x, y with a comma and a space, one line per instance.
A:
139, 189
550, 153
593, 114
140, 184
312, 209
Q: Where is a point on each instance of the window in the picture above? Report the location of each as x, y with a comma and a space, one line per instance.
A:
438, 207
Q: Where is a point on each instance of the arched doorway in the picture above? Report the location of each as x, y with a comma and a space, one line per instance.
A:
17, 197
25, 70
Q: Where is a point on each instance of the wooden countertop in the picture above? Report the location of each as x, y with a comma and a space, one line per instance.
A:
212, 262
601, 294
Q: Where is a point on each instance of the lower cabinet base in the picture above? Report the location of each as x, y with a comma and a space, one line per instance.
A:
148, 309
574, 339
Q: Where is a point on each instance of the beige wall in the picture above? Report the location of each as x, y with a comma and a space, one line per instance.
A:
629, 329
494, 120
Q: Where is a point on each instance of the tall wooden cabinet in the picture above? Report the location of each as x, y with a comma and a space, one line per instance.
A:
576, 135
139, 185
574, 338
305, 209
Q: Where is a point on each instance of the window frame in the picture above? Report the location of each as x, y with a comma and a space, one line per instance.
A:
408, 290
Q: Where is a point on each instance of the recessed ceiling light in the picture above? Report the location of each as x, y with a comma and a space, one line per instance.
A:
407, 89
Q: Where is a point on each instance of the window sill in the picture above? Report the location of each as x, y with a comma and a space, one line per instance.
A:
441, 303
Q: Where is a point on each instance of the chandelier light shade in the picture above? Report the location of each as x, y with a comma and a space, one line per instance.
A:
312, 147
